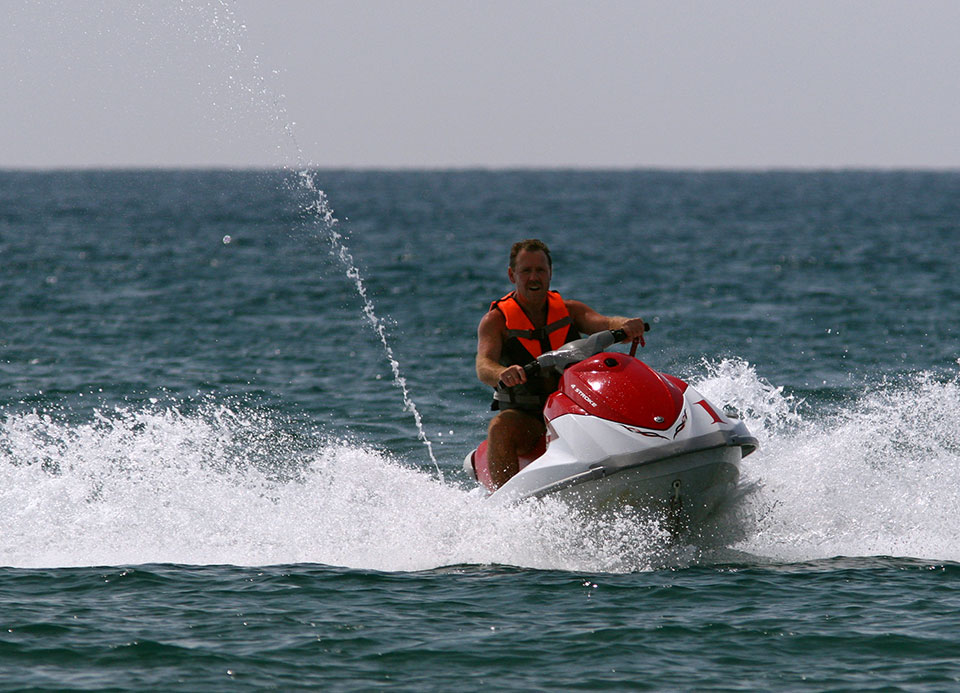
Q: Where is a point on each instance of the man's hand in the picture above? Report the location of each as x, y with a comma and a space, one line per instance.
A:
512, 376
634, 329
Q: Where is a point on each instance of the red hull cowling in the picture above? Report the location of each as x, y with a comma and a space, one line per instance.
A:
618, 388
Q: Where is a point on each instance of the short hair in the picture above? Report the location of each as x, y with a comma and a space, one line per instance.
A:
530, 245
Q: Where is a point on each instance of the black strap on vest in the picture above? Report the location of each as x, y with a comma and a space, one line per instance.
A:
524, 401
542, 334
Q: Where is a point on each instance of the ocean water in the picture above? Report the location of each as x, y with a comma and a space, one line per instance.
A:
231, 432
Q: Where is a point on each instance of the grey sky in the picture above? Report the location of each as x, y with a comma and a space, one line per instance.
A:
766, 83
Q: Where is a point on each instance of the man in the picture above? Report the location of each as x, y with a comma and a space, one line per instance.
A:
519, 327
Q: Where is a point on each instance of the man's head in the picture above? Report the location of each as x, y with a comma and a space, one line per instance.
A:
531, 244
530, 270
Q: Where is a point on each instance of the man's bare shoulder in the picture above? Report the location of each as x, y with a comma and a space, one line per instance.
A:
576, 308
585, 318
493, 321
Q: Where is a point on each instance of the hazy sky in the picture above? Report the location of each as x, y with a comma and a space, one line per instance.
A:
436, 83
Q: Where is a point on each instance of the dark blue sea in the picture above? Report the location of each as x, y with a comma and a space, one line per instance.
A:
233, 411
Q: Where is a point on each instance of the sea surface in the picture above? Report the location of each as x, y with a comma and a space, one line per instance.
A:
233, 411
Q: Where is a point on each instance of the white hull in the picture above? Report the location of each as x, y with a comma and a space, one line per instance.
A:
593, 462
695, 483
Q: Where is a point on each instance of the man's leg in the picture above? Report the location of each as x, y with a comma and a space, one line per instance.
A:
511, 433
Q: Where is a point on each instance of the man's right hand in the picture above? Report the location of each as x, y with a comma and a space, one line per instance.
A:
512, 376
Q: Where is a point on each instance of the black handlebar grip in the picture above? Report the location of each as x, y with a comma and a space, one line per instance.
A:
531, 369
620, 335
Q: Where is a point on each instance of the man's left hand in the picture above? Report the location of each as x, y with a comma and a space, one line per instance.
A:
634, 329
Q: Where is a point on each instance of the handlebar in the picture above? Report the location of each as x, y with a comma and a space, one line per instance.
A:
533, 368
530, 370
620, 335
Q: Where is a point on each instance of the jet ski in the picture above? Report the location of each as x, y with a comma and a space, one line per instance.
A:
619, 433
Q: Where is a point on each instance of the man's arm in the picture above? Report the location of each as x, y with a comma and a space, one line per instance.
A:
588, 321
489, 347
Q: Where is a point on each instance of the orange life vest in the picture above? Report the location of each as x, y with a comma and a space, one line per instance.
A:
533, 341
524, 343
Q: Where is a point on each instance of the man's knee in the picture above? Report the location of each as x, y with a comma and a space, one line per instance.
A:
507, 421
501, 424
516, 426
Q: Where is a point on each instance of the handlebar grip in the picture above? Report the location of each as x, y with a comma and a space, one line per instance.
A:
620, 335
531, 369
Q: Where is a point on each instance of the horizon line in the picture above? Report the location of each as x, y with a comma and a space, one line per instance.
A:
67, 168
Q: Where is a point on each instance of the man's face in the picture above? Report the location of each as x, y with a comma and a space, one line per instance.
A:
531, 275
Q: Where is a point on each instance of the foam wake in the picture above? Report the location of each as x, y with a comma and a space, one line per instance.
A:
879, 477
222, 484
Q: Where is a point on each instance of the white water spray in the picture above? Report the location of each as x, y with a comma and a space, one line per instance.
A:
320, 208
878, 478
217, 486
226, 29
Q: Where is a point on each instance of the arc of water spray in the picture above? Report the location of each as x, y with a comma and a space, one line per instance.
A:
230, 32
320, 207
